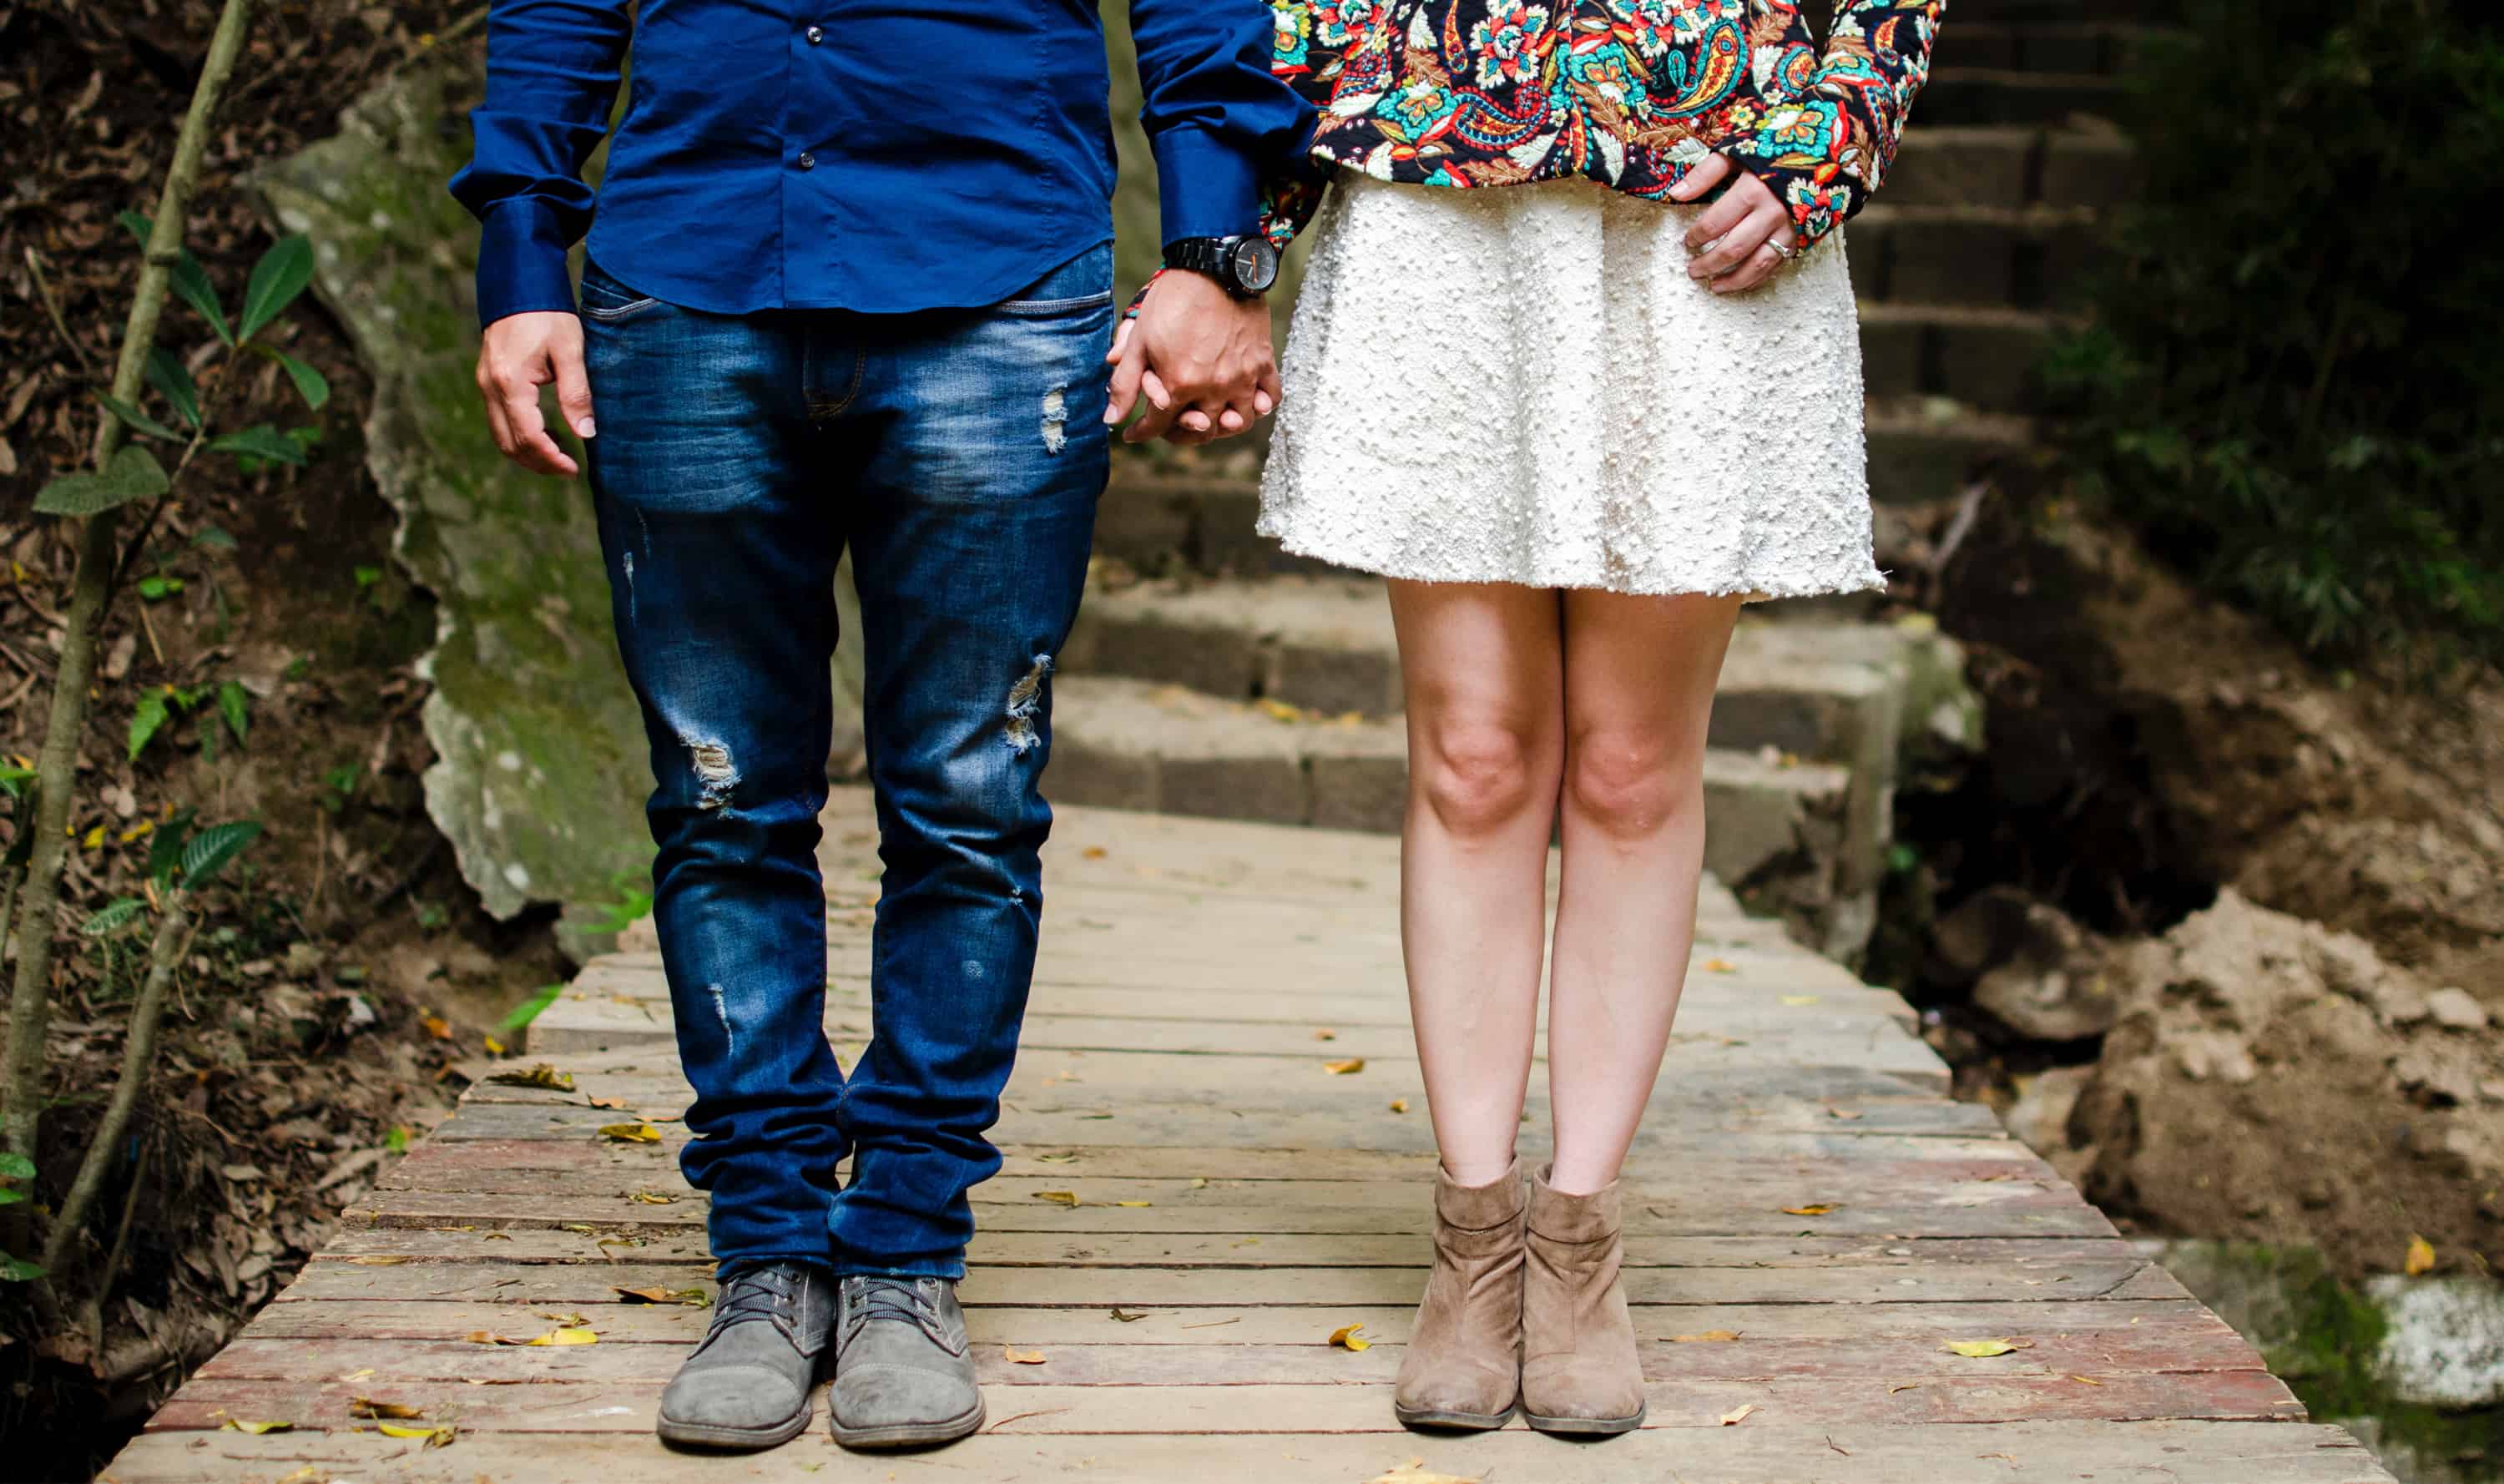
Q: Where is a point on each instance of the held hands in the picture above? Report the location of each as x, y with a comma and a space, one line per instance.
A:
1742, 240
520, 353
1200, 356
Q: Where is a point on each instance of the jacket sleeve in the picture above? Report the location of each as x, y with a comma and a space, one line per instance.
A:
1823, 133
552, 72
1307, 40
1219, 120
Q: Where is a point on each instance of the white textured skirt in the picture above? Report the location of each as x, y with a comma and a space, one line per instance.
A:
1522, 385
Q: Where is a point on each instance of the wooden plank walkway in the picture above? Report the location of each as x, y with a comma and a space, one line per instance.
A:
1192, 1202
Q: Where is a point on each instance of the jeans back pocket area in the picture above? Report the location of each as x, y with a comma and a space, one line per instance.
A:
605, 299
1081, 285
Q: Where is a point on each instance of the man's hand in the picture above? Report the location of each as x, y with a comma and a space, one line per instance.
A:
1201, 356
1742, 240
521, 354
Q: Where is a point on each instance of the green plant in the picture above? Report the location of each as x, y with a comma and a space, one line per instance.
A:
2289, 383
339, 785
529, 1009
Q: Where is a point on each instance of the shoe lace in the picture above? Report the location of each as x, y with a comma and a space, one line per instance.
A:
768, 1293
892, 1298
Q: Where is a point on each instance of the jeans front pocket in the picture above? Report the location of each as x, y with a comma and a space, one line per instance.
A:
611, 302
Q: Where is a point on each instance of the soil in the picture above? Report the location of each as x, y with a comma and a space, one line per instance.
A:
2270, 854
342, 982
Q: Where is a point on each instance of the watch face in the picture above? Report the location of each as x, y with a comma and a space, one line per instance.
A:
1255, 264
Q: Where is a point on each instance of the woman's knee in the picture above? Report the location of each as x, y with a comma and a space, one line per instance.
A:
1630, 784
1482, 774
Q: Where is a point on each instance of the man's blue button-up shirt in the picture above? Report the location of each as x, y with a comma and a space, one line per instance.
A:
878, 155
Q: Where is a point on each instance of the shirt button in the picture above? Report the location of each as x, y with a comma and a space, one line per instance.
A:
815, 34
808, 162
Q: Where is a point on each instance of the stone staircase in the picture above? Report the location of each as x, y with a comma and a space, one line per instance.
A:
1243, 683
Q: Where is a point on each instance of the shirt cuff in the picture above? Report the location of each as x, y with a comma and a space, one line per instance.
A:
521, 261
1206, 186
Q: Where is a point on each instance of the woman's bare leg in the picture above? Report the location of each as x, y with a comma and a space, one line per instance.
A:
1639, 680
1483, 673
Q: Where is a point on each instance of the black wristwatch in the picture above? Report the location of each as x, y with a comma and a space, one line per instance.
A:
1243, 267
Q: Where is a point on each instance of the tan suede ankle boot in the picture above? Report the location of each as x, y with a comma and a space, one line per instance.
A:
1464, 1363
1580, 1370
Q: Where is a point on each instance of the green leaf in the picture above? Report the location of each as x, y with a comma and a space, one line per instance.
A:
281, 274
209, 850
310, 384
215, 538
9, 1197
147, 720
111, 917
168, 375
234, 705
261, 442
156, 589
18, 1269
133, 475
166, 845
14, 1166
191, 280
529, 1010
139, 422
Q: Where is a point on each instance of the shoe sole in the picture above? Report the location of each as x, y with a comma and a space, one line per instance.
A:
696, 1435
1586, 1427
906, 1434
1468, 1422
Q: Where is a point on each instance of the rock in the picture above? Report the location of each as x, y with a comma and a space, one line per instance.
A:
1978, 932
2455, 1010
2052, 986
2040, 1115
540, 767
2442, 1344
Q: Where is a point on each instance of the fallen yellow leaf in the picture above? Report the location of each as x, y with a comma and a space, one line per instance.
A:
2420, 1257
2088, 1380
436, 1027
648, 1198
1324, 1035
631, 1133
1094, 853
1719, 966
1346, 1337
1905, 1387
367, 1406
495, 1048
1416, 1472
570, 1336
1983, 1350
435, 1438
259, 1427
1058, 1197
1737, 1415
693, 1297
1400, 1105
94, 840
1279, 710
1840, 1112
1021, 1357
1134, 1203
1343, 1068
1818, 1209
1708, 1336
603, 1102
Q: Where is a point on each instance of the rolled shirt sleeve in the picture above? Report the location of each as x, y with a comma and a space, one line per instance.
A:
552, 76
1217, 120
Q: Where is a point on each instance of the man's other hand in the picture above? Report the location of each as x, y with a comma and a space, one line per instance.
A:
1202, 359
520, 353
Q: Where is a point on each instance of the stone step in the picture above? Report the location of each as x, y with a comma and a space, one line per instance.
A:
2006, 165
1986, 357
1969, 95
1778, 831
1923, 448
2038, 257
2050, 43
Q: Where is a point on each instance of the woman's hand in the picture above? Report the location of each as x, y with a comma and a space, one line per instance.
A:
1741, 240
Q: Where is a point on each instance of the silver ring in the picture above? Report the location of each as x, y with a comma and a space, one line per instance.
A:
1779, 250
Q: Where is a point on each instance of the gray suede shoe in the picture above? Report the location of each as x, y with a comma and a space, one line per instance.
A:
749, 1384
902, 1376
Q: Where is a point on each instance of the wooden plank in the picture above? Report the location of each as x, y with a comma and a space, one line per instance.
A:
559, 1405
2158, 1321
1756, 1452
